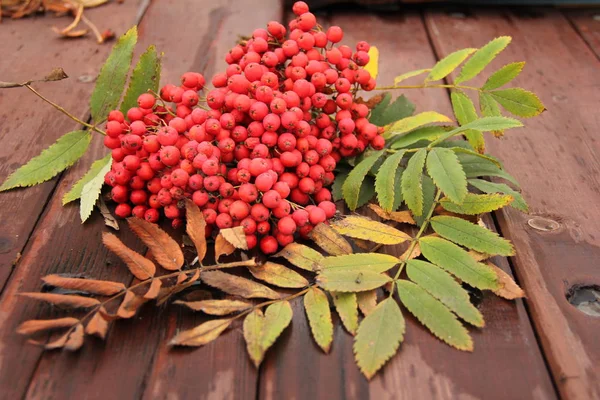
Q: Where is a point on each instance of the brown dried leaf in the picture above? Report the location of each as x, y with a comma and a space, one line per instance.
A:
278, 275
404, 217
130, 305
164, 249
236, 237
329, 240
508, 287
92, 3
57, 74
63, 300
238, 286
372, 102
301, 256
39, 325
216, 307
367, 301
416, 252
222, 247
97, 326
105, 288
153, 290
202, 334
196, 228
138, 265
72, 340
181, 278
166, 293
109, 220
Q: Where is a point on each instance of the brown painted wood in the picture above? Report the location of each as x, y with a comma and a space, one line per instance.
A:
555, 158
506, 363
30, 49
587, 23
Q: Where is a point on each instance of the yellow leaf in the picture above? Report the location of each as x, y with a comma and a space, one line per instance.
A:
368, 229
373, 65
319, 317
404, 217
261, 331
301, 256
278, 275
374, 262
329, 240
237, 285
508, 287
347, 308
202, 334
367, 301
416, 121
216, 307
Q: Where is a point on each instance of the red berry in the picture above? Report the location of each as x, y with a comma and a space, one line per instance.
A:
268, 245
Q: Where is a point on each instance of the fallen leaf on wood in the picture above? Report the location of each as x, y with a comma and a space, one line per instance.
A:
196, 228
202, 334
262, 330
238, 286
130, 305
216, 307
97, 326
63, 300
165, 249
329, 240
301, 256
166, 293
508, 287
154, 289
138, 265
105, 288
278, 275
72, 340
109, 219
39, 325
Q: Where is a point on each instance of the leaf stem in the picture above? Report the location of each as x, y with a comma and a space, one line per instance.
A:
62, 110
426, 86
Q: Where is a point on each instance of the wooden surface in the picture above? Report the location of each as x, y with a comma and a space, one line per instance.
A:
540, 348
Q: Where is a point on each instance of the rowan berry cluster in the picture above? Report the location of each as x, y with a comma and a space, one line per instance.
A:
262, 152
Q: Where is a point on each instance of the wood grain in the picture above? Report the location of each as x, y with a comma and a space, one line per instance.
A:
506, 352
30, 50
587, 23
555, 158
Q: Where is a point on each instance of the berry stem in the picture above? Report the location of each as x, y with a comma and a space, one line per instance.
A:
62, 110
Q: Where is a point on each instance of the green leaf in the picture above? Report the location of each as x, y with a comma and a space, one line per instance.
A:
474, 204
503, 75
519, 101
461, 150
416, 121
347, 308
447, 173
352, 185
412, 186
492, 187
398, 198
444, 287
465, 112
410, 74
91, 191
448, 64
350, 281
428, 198
56, 158
385, 180
471, 236
387, 112
94, 171
113, 75
338, 182
489, 107
319, 317
301, 256
484, 124
379, 336
261, 331
145, 76
476, 166
434, 315
428, 133
372, 262
458, 262
482, 58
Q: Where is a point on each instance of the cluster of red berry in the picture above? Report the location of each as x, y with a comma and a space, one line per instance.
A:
263, 152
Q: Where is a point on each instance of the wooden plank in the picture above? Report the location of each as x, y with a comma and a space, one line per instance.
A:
555, 158
587, 23
505, 353
30, 49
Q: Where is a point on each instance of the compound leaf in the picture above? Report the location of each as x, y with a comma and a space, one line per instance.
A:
447, 173
503, 75
145, 76
482, 58
448, 64
519, 102
352, 184
412, 182
95, 170
385, 181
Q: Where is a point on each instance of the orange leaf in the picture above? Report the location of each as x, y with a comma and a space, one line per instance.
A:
97, 326
222, 247
216, 307
154, 289
39, 325
106, 288
236, 237
63, 299
196, 228
508, 287
130, 305
202, 334
72, 340
367, 301
404, 217
238, 286
164, 249
138, 265
416, 252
